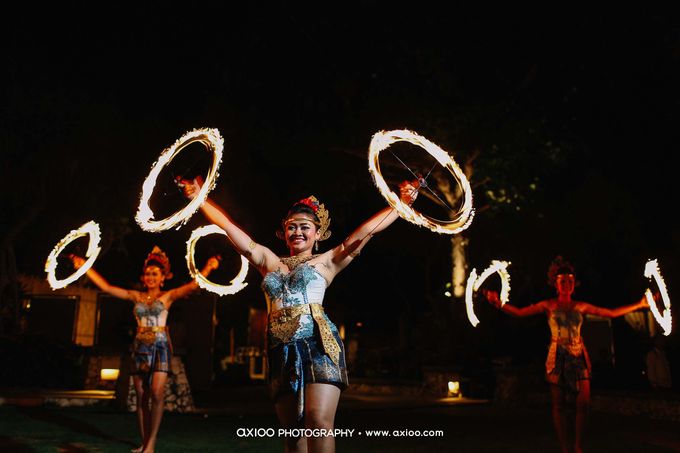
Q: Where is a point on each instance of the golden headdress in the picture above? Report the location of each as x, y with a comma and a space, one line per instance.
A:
319, 210
158, 256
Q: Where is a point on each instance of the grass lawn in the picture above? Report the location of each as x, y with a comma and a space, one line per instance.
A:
480, 428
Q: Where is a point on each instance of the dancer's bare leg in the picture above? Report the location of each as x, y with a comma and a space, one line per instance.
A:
559, 417
158, 382
582, 411
321, 402
143, 412
286, 411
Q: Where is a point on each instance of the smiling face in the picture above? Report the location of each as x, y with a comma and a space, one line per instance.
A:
300, 232
153, 277
564, 283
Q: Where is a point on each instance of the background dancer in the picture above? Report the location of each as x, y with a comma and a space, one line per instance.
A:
567, 366
151, 349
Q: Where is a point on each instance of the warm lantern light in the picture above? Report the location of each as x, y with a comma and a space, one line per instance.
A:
454, 388
109, 374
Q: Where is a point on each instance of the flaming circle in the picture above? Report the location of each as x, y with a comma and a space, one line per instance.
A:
236, 285
474, 282
213, 141
90, 228
665, 321
460, 221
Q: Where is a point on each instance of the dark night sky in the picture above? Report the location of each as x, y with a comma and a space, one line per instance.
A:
586, 102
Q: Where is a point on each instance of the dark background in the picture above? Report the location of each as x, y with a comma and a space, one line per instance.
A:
572, 115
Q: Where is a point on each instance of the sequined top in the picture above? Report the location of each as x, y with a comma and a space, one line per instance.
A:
154, 314
565, 330
303, 285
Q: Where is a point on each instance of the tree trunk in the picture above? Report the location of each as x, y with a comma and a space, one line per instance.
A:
459, 242
459, 264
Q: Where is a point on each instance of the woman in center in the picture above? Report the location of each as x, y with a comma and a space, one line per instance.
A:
306, 357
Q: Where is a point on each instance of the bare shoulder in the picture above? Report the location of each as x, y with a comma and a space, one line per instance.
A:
324, 259
134, 295
168, 296
325, 266
546, 305
270, 261
583, 307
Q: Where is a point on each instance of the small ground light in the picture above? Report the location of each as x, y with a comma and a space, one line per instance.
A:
454, 388
109, 374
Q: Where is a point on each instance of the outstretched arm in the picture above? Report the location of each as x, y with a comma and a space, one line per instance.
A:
186, 289
101, 282
261, 257
343, 254
534, 309
614, 312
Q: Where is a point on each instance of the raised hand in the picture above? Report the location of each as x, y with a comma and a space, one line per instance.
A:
408, 191
213, 262
76, 260
190, 187
492, 297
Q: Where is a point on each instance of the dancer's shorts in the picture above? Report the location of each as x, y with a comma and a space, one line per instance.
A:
151, 352
298, 363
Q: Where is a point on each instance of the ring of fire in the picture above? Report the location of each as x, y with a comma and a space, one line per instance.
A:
213, 141
460, 221
236, 285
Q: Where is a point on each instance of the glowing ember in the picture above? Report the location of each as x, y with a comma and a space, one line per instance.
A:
213, 141
236, 285
665, 320
91, 229
460, 221
474, 282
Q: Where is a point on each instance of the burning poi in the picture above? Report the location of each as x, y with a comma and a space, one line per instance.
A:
474, 282
460, 221
90, 229
213, 142
664, 319
236, 285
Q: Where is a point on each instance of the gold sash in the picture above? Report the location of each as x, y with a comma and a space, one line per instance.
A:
282, 326
147, 334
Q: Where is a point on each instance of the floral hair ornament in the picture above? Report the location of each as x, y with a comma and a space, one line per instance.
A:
158, 256
319, 211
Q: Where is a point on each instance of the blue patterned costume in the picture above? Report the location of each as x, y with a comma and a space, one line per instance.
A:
567, 363
151, 348
304, 346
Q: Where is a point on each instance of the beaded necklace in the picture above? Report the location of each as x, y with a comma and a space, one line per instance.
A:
294, 261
